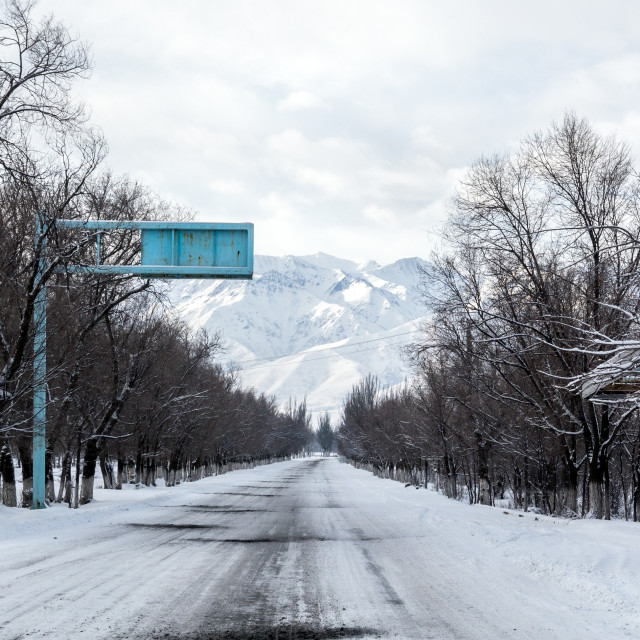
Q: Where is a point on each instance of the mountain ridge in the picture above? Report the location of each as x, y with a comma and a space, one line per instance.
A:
310, 325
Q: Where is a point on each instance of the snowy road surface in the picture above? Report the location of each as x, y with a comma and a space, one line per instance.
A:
310, 549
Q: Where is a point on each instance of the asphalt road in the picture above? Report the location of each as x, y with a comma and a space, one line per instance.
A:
305, 549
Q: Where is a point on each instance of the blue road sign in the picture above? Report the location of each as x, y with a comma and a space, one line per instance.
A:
178, 249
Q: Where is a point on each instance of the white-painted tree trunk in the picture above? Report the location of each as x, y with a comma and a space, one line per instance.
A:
27, 492
86, 494
9, 495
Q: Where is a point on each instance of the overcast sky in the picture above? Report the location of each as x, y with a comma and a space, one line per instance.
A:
342, 127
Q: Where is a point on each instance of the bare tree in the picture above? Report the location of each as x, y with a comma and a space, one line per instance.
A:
324, 434
541, 267
537, 286
47, 155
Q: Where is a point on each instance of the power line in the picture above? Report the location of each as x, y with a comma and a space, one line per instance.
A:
340, 346
334, 355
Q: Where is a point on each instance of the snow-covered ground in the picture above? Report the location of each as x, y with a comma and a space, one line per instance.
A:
311, 548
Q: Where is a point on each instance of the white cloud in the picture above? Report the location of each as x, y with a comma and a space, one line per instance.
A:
380, 215
289, 142
279, 206
301, 100
424, 137
226, 186
327, 181
600, 88
329, 123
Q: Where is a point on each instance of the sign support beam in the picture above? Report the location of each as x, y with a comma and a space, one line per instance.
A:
198, 250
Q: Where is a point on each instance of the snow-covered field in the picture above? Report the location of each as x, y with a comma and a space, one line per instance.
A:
311, 548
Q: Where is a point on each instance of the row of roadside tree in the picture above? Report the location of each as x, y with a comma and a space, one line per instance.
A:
129, 388
535, 285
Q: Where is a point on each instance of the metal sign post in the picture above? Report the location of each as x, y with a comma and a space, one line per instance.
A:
169, 250
39, 375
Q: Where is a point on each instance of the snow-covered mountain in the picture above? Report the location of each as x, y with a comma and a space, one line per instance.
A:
312, 325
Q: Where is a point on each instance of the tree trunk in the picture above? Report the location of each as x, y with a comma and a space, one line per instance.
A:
9, 496
76, 488
607, 493
517, 487
451, 482
174, 465
154, 470
49, 488
599, 472
106, 468
122, 471
26, 462
527, 484
139, 465
550, 482
89, 471
596, 488
636, 491
484, 484
64, 492
567, 504
625, 489
148, 475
